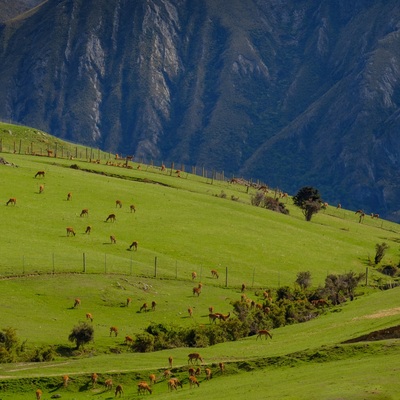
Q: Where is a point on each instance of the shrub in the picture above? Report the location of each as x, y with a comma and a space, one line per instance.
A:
9, 345
144, 343
380, 252
390, 270
81, 334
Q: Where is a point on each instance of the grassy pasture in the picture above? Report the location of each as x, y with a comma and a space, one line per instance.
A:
182, 225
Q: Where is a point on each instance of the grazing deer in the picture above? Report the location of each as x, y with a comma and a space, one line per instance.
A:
153, 379
89, 316
84, 212
41, 188
212, 317
173, 383
108, 384
214, 273
208, 373
113, 240
114, 329
143, 387
111, 218
375, 216
153, 305
39, 173
170, 360
193, 381
12, 201
167, 373
133, 208
221, 367
163, 168
190, 311
94, 378
265, 333
69, 196
70, 231
38, 394
191, 371
119, 390
223, 317
65, 379
194, 275
194, 356
144, 307
118, 203
196, 290
88, 230
77, 302
128, 301
128, 340
134, 245
211, 309
198, 371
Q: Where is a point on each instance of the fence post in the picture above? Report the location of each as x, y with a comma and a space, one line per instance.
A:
366, 276
84, 262
155, 267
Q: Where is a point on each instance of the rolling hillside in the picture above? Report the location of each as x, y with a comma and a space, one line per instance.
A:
182, 224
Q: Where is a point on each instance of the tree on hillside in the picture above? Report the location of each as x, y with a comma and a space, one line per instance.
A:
304, 279
309, 200
340, 287
81, 334
380, 251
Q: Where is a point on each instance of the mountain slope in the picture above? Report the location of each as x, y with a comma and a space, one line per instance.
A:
289, 92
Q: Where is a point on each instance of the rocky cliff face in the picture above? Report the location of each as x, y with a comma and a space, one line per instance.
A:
290, 92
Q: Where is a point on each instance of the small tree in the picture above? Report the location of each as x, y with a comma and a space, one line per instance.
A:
309, 200
304, 279
380, 252
81, 334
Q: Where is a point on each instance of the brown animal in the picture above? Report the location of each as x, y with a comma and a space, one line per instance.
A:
375, 216
108, 384
77, 303
153, 379
191, 371
118, 203
70, 231
211, 309
265, 333
84, 212
170, 360
114, 329
339, 206
173, 383
221, 367
88, 230
119, 390
214, 273
38, 394
153, 305
41, 188
65, 379
198, 371
89, 316
167, 373
194, 356
12, 201
111, 218
134, 245
143, 387
128, 301
208, 373
193, 381
128, 340
190, 311
194, 275
196, 290
113, 240
163, 168
222, 316
39, 173
94, 378
243, 287
133, 208
144, 307
69, 196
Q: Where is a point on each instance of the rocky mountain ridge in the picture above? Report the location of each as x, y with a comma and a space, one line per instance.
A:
293, 93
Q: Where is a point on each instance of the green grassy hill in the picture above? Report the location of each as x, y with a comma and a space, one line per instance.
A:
182, 225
